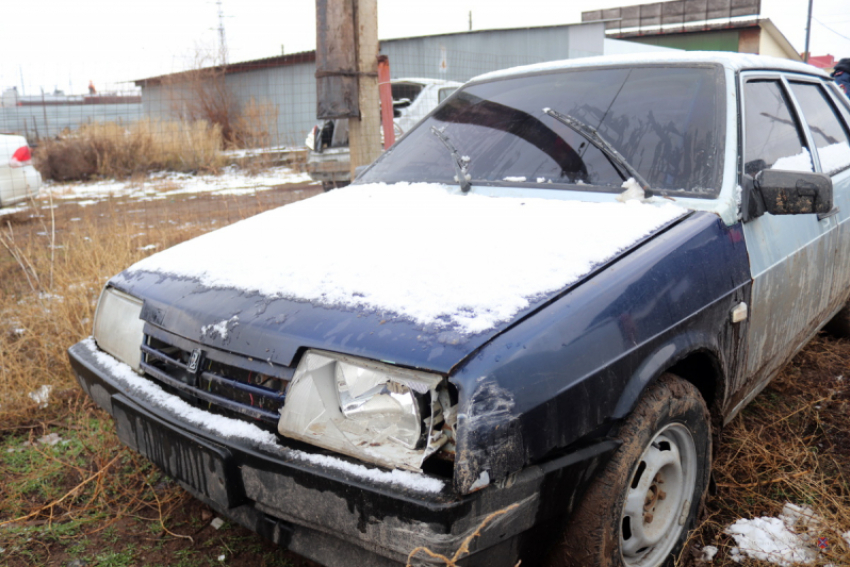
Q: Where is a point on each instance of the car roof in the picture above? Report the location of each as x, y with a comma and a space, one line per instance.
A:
423, 82
734, 61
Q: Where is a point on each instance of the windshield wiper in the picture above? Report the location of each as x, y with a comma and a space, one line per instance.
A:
592, 136
460, 164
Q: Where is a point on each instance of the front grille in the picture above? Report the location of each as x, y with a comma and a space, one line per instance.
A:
218, 380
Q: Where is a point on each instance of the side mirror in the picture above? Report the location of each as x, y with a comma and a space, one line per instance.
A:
781, 192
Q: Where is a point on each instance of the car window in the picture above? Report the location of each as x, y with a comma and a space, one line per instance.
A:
829, 135
402, 91
445, 92
668, 122
773, 138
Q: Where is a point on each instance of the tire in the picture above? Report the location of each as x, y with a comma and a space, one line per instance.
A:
651, 491
839, 326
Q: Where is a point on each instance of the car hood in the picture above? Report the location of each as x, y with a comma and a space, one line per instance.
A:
414, 274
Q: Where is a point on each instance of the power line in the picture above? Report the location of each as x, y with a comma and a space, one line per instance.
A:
830, 29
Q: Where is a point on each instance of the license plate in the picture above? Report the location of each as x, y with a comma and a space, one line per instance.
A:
203, 466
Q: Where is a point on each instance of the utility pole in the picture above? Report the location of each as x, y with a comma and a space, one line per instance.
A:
808, 32
222, 42
364, 133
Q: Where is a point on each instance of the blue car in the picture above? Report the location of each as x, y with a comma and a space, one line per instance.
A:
519, 330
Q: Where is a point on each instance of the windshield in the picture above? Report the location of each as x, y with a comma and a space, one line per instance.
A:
667, 122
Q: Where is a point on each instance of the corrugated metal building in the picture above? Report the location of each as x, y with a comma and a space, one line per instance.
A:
283, 88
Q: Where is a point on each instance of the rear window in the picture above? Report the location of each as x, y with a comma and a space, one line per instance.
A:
668, 123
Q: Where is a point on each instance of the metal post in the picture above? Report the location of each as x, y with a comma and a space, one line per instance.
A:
386, 91
808, 32
364, 134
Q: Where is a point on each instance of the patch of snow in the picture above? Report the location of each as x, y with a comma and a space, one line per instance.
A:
258, 151
707, 554
51, 439
217, 523
739, 196
149, 247
12, 210
230, 428
221, 557
633, 191
834, 157
411, 480
518, 179
164, 185
41, 395
799, 162
222, 328
460, 268
775, 539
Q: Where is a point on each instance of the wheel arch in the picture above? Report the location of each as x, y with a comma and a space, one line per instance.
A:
693, 360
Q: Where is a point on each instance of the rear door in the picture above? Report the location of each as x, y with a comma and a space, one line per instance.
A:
791, 257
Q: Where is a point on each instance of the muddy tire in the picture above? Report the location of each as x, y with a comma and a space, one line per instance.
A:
639, 511
839, 326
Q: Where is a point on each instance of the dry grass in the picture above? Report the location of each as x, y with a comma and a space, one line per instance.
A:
111, 149
792, 444
89, 497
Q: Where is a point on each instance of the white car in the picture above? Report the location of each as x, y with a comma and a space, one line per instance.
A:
19, 180
329, 159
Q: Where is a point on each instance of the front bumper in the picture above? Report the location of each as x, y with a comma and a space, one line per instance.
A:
337, 515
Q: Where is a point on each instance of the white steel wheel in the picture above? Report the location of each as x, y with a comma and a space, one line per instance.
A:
658, 497
639, 508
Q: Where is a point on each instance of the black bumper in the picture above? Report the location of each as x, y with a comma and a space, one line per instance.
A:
334, 516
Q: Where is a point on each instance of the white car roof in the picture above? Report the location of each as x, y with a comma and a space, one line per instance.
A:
734, 61
422, 81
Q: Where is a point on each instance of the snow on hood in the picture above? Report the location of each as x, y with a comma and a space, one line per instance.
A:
465, 262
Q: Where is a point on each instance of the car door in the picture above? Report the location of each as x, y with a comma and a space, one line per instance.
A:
791, 256
829, 121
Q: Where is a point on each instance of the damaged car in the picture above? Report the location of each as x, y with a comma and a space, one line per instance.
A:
526, 322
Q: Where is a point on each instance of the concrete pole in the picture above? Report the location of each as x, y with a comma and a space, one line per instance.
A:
364, 134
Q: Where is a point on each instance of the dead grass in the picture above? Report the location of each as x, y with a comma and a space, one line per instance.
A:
792, 444
111, 149
89, 497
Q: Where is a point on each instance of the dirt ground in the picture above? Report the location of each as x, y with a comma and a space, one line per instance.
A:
71, 495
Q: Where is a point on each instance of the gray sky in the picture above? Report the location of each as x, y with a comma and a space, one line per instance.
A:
66, 43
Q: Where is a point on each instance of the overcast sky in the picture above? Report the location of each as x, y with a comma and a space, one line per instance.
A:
65, 43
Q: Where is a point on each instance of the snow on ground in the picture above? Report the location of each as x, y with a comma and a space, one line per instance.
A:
466, 262
164, 185
787, 540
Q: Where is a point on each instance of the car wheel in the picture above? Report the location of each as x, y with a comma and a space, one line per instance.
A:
839, 326
639, 511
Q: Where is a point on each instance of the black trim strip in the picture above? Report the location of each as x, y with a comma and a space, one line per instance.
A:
252, 412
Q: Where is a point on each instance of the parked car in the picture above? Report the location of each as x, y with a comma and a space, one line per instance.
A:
19, 180
527, 319
329, 160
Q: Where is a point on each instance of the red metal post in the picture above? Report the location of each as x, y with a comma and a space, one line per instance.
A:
385, 92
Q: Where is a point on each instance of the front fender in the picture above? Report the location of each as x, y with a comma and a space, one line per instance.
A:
565, 375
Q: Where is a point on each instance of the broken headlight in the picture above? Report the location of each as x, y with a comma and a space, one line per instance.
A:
118, 328
375, 412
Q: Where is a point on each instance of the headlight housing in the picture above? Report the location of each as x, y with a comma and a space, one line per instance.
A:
118, 327
375, 412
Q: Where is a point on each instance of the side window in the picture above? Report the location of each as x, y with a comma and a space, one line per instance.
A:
444, 93
773, 140
829, 135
